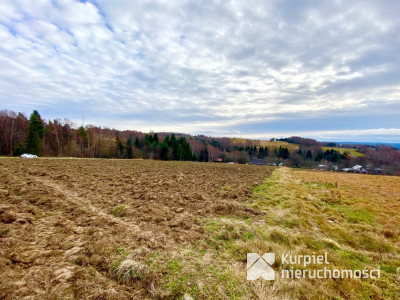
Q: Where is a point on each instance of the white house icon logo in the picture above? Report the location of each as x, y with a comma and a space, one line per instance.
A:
260, 266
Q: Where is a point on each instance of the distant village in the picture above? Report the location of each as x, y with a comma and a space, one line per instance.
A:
358, 169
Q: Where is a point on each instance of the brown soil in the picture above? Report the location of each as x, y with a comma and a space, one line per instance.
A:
65, 222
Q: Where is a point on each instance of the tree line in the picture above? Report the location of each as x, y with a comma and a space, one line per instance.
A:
20, 134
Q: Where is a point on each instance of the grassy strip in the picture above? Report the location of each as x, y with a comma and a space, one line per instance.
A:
301, 218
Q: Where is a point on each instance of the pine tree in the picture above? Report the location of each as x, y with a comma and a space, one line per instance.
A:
309, 155
320, 156
155, 138
164, 150
266, 151
283, 152
137, 143
180, 152
129, 151
261, 152
146, 140
187, 151
83, 138
172, 141
174, 144
35, 133
120, 146
166, 140
300, 152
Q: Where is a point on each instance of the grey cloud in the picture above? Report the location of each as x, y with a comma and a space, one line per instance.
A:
208, 62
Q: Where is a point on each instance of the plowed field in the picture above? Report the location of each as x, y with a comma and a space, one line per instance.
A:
110, 229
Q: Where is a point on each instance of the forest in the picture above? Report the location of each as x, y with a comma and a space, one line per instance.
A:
62, 138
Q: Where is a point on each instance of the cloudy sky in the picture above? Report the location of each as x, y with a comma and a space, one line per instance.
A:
323, 69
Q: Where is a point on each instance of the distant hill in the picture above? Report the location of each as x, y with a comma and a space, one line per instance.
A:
394, 145
63, 138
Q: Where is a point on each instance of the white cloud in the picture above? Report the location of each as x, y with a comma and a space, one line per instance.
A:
213, 64
350, 135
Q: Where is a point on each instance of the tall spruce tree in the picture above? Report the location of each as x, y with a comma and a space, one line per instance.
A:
129, 150
309, 155
155, 138
137, 143
35, 133
83, 138
119, 146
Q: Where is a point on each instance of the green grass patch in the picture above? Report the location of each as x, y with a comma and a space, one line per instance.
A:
119, 211
355, 215
213, 226
247, 236
390, 268
174, 266
353, 260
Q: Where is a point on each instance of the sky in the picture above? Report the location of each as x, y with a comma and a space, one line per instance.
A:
328, 70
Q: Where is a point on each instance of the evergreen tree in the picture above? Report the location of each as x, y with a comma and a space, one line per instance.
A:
35, 133
150, 139
261, 153
203, 154
137, 143
180, 152
166, 140
309, 155
172, 141
266, 151
129, 150
164, 150
187, 151
119, 145
155, 138
18, 150
300, 152
83, 138
283, 152
337, 156
319, 156
174, 145
147, 140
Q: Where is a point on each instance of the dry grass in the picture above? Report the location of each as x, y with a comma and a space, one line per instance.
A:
277, 144
354, 218
270, 144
